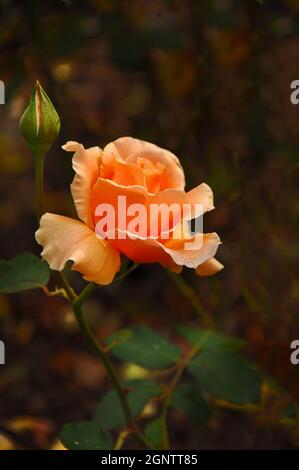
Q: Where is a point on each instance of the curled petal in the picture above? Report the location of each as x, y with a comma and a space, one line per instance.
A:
201, 200
114, 167
141, 250
66, 239
173, 254
193, 252
189, 205
146, 164
210, 267
86, 166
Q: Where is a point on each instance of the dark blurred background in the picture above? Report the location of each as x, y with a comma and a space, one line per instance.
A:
210, 81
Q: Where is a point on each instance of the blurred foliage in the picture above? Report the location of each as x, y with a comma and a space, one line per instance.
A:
209, 80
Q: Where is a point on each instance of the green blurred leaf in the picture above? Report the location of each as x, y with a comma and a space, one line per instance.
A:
109, 413
23, 272
209, 339
226, 376
119, 338
187, 399
154, 433
85, 435
147, 349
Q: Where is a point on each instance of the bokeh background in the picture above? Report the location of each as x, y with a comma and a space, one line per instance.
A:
210, 81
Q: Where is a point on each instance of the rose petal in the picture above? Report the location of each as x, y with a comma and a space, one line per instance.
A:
131, 152
66, 239
151, 250
107, 192
201, 198
174, 201
140, 250
210, 267
86, 166
114, 168
194, 252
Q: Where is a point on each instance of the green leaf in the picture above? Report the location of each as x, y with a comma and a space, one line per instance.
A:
85, 435
109, 413
154, 433
147, 349
187, 399
209, 339
23, 272
118, 338
226, 376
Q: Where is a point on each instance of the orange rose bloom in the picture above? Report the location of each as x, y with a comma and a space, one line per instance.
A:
145, 174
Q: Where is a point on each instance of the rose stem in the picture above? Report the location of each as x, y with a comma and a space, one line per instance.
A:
167, 396
99, 350
190, 295
39, 185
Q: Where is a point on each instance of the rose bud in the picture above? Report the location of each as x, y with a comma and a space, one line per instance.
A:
40, 123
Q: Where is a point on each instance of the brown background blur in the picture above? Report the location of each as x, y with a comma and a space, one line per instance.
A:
210, 81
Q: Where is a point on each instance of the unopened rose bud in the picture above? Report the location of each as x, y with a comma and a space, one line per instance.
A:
40, 123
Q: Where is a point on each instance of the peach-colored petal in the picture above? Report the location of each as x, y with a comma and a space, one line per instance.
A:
141, 250
210, 267
193, 252
164, 172
202, 195
86, 166
173, 254
174, 201
190, 205
115, 168
66, 239
144, 250
108, 193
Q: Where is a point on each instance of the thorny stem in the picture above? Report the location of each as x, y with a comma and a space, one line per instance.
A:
191, 296
168, 393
